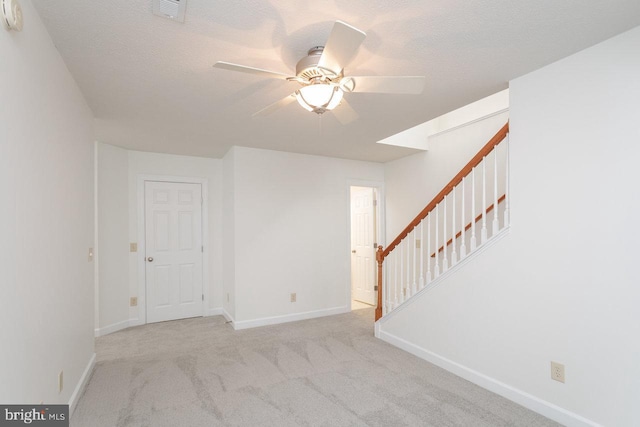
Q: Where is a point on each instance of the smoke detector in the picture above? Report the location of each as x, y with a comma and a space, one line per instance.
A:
11, 14
170, 9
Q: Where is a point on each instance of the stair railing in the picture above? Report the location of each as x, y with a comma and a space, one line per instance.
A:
448, 226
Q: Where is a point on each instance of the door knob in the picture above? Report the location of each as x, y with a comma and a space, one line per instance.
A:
150, 259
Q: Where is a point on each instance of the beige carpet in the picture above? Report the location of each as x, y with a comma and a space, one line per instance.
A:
322, 372
359, 305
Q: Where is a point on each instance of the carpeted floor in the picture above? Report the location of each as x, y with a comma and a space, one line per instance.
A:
329, 371
358, 305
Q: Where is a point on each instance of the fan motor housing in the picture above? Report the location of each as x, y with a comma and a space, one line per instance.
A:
307, 67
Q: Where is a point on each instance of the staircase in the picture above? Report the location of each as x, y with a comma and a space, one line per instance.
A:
469, 212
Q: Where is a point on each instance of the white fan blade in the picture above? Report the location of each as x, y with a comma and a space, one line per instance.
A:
344, 113
249, 70
341, 47
276, 105
400, 84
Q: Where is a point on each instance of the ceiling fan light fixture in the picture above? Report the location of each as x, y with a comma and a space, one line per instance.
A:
319, 98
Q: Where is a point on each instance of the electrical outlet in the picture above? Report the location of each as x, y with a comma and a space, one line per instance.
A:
557, 371
133, 247
133, 301
417, 243
293, 297
60, 381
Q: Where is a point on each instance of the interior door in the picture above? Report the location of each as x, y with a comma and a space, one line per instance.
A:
362, 240
173, 245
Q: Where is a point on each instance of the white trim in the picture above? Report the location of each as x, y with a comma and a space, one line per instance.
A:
227, 316
470, 122
254, 323
114, 327
218, 311
520, 397
418, 136
136, 322
96, 241
381, 221
82, 384
204, 182
492, 241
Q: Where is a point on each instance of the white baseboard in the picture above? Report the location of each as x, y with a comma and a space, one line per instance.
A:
214, 312
227, 316
136, 322
115, 327
82, 383
244, 324
109, 329
520, 397
254, 323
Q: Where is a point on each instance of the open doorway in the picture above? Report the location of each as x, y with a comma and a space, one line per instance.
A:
364, 237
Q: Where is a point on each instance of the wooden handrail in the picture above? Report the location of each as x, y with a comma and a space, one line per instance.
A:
381, 253
475, 161
468, 226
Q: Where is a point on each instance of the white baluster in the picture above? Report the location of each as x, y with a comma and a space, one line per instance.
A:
401, 272
495, 226
388, 274
463, 245
396, 251
483, 232
445, 261
414, 285
386, 284
473, 240
436, 268
428, 248
407, 285
506, 184
421, 280
389, 282
454, 255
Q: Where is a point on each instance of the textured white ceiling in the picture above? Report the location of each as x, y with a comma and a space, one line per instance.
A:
151, 85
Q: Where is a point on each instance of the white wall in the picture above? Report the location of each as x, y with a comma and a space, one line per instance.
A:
113, 238
46, 220
291, 233
155, 164
550, 290
411, 182
228, 234
286, 229
118, 174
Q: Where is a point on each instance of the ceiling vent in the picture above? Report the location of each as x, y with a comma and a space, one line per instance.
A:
170, 9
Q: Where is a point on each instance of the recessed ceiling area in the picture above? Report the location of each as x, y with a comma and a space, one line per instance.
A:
151, 84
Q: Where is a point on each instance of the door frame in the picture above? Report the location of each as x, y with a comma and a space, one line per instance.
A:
380, 226
140, 258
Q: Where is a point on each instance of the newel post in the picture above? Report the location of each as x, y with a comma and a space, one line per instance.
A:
380, 259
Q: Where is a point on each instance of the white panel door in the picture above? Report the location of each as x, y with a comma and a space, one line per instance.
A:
173, 245
363, 265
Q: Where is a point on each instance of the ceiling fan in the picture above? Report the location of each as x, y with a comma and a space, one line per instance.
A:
322, 79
